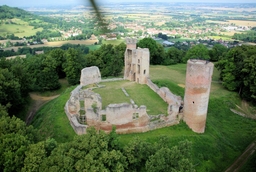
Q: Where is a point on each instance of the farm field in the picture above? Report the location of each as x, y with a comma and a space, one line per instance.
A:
227, 134
243, 22
18, 30
90, 44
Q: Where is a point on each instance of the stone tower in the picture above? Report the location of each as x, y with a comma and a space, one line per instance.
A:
197, 91
136, 62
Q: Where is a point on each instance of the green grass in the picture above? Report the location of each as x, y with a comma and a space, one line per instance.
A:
224, 37
93, 47
51, 120
63, 86
143, 95
250, 165
18, 30
112, 93
113, 42
140, 94
226, 134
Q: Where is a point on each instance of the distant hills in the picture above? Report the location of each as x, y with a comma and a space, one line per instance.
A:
7, 12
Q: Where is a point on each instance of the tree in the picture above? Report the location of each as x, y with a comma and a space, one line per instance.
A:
155, 49
49, 76
73, 65
15, 137
199, 51
217, 52
36, 154
175, 159
173, 56
237, 71
10, 90
88, 152
109, 59
137, 153
58, 55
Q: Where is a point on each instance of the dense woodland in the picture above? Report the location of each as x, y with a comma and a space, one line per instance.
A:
22, 149
249, 36
42, 72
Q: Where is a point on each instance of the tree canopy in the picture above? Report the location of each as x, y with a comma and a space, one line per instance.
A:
156, 50
199, 51
238, 71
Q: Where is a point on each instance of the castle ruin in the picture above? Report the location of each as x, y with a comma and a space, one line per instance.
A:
84, 107
136, 62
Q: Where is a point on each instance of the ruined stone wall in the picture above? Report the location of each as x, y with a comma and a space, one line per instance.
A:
142, 65
124, 116
197, 91
136, 62
174, 102
90, 75
131, 43
78, 128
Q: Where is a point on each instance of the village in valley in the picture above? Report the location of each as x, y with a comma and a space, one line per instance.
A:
185, 24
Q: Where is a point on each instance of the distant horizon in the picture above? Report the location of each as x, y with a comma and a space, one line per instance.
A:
55, 3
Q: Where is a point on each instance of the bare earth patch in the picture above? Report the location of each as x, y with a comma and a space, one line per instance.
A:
37, 102
181, 85
245, 110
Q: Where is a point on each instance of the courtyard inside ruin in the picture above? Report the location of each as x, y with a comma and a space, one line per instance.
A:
130, 92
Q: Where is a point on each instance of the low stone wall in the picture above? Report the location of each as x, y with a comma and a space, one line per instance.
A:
153, 86
174, 102
112, 79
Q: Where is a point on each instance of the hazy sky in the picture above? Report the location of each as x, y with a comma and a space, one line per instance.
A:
31, 3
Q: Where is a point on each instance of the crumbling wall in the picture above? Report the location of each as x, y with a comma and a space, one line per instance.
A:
124, 116
197, 91
174, 102
90, 75
136, 62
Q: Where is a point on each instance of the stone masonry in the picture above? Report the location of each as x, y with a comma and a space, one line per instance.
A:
136, 62
197, 91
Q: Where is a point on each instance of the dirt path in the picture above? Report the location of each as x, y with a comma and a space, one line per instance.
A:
38, 101
241, 160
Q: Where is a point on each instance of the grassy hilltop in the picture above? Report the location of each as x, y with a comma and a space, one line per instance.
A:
226, 136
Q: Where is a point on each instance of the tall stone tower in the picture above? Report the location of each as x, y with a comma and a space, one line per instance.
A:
197, 91
136, 62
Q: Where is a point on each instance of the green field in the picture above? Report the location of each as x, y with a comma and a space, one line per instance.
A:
140, 94
225, 38
113, 42
18, 30
226, 135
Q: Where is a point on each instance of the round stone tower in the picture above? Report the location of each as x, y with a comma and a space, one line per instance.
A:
197, 91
